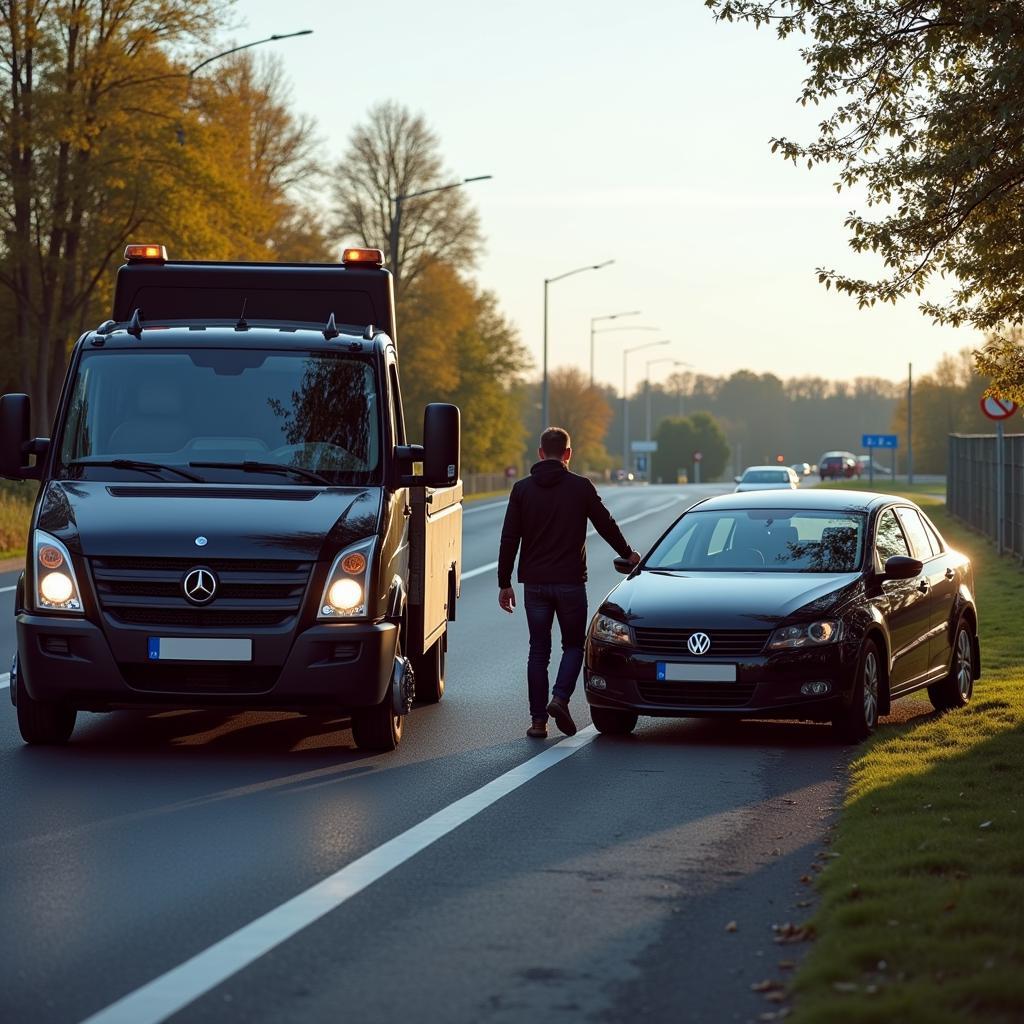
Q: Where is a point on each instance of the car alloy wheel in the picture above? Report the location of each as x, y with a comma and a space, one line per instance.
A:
870, 676
964, 664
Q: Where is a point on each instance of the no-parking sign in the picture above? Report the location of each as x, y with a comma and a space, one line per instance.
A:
998, 408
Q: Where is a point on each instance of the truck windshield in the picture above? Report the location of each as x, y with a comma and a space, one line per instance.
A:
317, 412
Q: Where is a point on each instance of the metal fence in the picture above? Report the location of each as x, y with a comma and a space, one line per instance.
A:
485, 483
972, 491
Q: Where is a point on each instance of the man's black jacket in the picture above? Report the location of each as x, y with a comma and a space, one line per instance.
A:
548, 513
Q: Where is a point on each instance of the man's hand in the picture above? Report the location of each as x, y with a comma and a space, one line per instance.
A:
507, 599
634, 559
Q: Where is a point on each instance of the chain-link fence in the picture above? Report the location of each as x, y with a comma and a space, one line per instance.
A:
972, 491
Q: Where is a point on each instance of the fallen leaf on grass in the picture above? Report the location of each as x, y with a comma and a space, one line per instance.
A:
985, 824
806, 879
789, 932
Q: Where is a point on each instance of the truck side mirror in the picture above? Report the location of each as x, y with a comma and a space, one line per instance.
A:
442, 434
15, 436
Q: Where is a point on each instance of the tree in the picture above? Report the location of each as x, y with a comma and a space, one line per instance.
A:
923, 106
579, 407
679, 438
394, 153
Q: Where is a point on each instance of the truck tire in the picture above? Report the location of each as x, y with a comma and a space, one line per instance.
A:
377, 728
429, 673
43, 722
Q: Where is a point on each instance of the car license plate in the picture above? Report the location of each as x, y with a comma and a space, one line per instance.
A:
199, 648
691, 672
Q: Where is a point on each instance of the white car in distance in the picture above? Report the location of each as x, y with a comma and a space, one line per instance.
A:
767, 478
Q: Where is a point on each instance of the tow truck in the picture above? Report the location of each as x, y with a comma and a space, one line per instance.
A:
230, 514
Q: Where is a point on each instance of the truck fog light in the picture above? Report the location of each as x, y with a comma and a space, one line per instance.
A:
56, 588
345, 595
596, 683
818, 689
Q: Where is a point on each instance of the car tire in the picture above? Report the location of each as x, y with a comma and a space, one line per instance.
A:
611, 722
857, 721
955, 690
43, 722
377, 728
429, 674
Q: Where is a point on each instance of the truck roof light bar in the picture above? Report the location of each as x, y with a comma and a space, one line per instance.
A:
363, 258
331, 330
145, 252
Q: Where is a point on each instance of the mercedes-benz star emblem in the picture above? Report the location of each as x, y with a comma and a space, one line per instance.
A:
199, 585
699, 643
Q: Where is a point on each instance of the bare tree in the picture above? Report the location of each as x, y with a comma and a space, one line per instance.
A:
394, 153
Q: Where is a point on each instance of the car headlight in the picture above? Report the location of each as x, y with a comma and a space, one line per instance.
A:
610, 631
345, 591
56, 586
810, 634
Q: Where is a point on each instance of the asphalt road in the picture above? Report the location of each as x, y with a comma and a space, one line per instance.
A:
464, 883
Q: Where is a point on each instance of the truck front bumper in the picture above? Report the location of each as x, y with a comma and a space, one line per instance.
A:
337, 665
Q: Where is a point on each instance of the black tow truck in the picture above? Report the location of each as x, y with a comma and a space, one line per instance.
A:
229, 512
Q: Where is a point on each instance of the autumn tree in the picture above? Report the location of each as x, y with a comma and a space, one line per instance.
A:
579, 407
679, 438
922, 113
395, 153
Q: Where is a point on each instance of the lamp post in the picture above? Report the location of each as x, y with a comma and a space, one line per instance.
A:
544, 381
650, 363
608, 330
395, 234
625, 398
594, 320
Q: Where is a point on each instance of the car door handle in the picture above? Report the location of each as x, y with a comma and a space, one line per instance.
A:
950, 574
923, 586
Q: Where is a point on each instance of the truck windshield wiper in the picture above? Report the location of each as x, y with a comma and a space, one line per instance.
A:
141, 466
266, 467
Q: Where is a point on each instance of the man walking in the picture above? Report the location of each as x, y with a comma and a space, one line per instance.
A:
548, 513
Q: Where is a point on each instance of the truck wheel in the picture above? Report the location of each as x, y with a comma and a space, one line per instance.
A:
857, 722
377, 728
43, 721
955, 690
612, 722
429, 674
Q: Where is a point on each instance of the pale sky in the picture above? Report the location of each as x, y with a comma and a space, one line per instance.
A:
637, 132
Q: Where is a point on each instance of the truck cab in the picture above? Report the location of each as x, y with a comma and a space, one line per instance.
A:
229, 511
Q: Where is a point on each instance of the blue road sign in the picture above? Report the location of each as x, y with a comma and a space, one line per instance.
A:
880, 441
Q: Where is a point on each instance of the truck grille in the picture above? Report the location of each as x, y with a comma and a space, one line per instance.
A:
725, 643
697, 695
250, 592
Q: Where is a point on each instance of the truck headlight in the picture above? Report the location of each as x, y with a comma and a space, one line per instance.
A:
56, 584
610, 631
344, 595
811, 634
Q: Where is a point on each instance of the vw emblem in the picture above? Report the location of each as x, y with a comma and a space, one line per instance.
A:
199, 585
200, 541
699, 643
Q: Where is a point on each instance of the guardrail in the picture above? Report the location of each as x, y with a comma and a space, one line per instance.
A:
973, 491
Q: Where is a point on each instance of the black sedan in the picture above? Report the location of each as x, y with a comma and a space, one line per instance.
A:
821, 605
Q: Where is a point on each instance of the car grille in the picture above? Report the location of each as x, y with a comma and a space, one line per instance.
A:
725, 643
697, 695
190, 679
250, 593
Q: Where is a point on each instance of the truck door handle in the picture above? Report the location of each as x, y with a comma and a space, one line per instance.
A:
407, 511
950, 574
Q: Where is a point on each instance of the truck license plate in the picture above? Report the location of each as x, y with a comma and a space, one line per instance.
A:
691, 672
199, 648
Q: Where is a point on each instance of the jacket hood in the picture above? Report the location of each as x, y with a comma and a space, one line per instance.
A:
163, 520
549, 472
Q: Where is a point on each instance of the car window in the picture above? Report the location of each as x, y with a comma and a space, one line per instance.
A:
938, 546
916, 532
889, 539
765, 476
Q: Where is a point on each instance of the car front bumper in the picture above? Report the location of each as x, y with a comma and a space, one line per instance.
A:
766, 686
335, 665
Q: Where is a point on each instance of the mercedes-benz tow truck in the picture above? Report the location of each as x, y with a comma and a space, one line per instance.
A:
229, 513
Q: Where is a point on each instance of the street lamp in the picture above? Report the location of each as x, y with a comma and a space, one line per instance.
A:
625, 398
277, 37
544, 383
647, 384
396, 221
594, 320
608, 330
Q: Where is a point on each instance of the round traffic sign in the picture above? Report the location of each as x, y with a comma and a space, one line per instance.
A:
997, 408
697, 456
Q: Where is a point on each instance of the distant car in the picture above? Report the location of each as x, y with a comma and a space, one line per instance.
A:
865, 463
838, 466
814, 604
801, 468
767, 478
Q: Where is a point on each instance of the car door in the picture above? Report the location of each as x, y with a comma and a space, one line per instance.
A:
906, 607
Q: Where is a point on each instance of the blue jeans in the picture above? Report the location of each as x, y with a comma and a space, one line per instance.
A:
543, 602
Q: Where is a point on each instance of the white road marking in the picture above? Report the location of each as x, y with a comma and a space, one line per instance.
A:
7, 590
483, 508
491, 566
5, 680
166, 995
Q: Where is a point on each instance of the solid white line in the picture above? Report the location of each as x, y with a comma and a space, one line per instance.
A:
166, 995
7, 590
483, 508
491, 566
5, 680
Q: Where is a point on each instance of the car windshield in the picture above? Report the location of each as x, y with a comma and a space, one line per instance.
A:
314, 413
762, 540
765, 476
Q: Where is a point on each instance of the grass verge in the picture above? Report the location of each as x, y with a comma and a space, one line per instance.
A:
16, 501
922, 912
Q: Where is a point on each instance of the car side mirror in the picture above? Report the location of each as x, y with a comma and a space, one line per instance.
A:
738, 479
901, 567
442, 442
16, 441
622, 565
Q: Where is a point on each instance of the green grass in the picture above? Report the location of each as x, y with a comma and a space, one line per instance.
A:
922, 912
15, 509
886, 485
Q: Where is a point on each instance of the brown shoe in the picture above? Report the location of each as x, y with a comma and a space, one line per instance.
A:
538, 729
558, 709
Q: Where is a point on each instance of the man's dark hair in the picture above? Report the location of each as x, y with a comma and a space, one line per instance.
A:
554, 441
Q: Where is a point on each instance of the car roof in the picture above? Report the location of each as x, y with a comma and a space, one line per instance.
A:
812, 499
758, 469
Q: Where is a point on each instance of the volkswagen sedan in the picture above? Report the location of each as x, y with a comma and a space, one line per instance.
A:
820, 605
